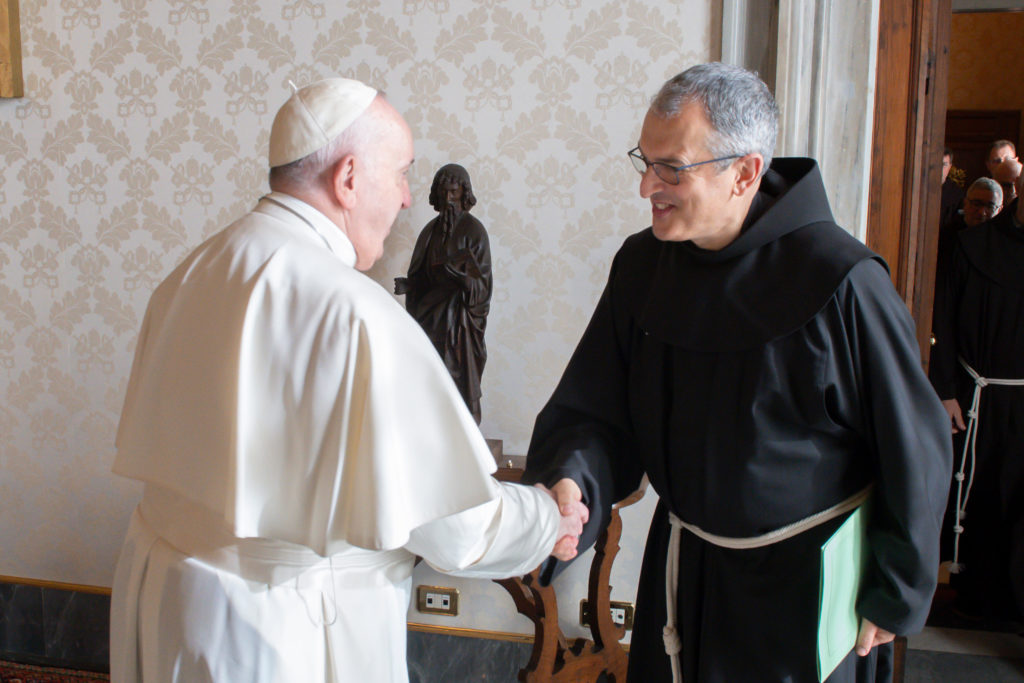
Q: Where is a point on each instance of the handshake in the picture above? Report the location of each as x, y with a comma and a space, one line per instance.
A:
566, 493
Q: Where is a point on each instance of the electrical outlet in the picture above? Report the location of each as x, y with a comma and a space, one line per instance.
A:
622, 613
437, 600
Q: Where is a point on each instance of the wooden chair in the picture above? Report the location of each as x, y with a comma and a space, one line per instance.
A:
556, 660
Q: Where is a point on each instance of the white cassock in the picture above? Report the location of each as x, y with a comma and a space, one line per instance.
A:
300, 442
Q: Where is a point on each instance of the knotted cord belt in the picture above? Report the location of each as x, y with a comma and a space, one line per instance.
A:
673, 643
970, 437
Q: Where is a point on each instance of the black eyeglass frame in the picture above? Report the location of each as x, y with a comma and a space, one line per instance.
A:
982, 204
641, 164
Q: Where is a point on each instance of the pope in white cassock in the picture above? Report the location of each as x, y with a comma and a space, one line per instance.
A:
299, 438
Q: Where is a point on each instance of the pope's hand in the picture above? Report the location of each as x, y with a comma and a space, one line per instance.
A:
574, 514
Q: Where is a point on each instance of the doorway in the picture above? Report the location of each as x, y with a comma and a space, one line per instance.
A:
986, 68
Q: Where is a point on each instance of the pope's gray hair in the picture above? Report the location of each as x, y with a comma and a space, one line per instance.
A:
741, 110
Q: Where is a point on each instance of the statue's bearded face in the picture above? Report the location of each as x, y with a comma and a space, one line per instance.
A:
450, 195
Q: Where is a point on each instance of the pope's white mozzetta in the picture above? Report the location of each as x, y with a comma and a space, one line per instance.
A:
300, 442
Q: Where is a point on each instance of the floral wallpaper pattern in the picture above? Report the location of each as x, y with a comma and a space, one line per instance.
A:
143, 130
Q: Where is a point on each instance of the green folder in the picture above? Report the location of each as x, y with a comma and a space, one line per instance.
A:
842, 563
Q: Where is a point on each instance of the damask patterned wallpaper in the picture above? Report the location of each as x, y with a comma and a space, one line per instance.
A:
144, 130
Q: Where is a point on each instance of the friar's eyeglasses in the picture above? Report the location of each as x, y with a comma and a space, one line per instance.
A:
667, 172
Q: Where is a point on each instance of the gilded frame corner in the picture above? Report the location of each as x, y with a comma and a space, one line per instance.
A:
11, 80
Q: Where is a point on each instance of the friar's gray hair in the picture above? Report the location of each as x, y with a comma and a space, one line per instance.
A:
990, 185
742, 111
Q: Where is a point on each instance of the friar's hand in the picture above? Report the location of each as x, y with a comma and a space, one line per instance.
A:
567, 494
870, 636
956, 417
574, 514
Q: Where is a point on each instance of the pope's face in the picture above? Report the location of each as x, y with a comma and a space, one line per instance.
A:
700, 206
384, 189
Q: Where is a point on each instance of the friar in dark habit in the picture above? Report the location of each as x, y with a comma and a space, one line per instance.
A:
448, 288
753, 360
977, 368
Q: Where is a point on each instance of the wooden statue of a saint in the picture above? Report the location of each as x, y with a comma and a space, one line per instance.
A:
448, 288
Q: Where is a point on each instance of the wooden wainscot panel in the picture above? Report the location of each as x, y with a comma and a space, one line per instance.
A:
11, 84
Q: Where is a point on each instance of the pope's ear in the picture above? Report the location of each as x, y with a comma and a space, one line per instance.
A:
343, 181
749, 172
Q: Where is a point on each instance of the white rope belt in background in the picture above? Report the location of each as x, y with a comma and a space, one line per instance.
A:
670, 634
970, 437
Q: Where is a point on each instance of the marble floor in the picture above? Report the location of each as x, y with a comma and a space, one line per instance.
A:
957, 650
941, 655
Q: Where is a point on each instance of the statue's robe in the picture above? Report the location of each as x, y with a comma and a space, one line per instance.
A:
449, 295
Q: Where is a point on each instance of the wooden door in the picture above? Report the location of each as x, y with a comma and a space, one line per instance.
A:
907, 143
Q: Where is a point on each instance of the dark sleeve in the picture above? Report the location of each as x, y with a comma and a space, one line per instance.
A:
583, 432
907, 429
942, 364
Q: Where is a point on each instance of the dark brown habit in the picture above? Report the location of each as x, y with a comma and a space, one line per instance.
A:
755, 386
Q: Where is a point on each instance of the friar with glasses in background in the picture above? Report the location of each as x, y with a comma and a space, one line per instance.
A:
754, 361
983, 201
977, 368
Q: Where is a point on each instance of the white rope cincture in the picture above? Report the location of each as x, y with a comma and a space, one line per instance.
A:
670, 633
970, 448
673, 643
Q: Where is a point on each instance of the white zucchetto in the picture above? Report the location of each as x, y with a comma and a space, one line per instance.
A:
314, 115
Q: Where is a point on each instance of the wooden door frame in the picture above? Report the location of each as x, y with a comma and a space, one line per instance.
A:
906, 152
